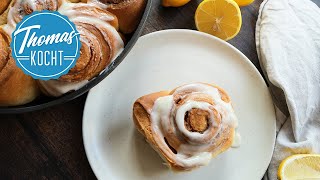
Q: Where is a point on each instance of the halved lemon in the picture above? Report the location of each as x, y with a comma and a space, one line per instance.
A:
300, 167
221, 18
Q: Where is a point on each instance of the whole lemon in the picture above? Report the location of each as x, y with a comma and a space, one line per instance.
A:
243, 2
174, 3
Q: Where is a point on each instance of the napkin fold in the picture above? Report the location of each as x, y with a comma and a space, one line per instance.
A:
288, 46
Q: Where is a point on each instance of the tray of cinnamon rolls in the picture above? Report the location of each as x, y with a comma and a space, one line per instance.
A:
108, 30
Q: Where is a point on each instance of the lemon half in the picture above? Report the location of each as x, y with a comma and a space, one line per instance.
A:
301, 166
221, 18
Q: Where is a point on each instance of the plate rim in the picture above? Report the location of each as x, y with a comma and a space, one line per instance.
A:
156, 33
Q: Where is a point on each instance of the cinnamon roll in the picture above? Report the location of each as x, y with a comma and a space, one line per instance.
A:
16, 88
100, 45
20, 8
77, 1
187, 126
4, 11
129, 12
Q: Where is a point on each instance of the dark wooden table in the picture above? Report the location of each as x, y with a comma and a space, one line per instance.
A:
48, 144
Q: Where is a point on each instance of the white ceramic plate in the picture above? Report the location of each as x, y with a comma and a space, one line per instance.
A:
161, 61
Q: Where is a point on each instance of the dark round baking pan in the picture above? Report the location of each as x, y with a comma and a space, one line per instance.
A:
45, 102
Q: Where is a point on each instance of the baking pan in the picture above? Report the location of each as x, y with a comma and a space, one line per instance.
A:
45, 102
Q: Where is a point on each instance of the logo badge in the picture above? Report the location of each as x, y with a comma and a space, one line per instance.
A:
45, 45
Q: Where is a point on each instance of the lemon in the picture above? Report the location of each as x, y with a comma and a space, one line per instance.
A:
243, 2
301, 166
174, 3
221, 18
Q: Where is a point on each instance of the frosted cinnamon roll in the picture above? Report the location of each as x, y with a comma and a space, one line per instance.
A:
16, 88
129, 12
20, 8
100, 45
189, 125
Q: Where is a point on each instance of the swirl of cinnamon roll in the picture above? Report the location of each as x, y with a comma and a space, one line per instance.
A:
20, 8
16, 88
187, 126
100, 45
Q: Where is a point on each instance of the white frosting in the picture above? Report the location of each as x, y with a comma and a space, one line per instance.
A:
118, 44
224, 108
100, 4
236, 140
200, 159
58, 88
165, 114
180, 114
67, 10
15, 10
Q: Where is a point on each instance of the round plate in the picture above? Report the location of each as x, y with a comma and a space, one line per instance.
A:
162, 61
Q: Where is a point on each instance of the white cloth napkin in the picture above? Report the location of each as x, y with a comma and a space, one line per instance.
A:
288, 45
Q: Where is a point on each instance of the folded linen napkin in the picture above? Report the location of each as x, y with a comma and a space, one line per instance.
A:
288, 46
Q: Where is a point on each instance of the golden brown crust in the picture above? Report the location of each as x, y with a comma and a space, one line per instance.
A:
129, 12
141, 116
4, 11
140, 111
4, 5
16, 88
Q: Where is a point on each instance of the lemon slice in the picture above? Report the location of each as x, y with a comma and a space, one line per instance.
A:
300, 167
243, 2
221, 18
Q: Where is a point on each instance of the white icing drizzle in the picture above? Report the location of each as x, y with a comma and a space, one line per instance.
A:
58, 88
84, 17
180, 113
165, 114
16, 13
224, 108
236, 140
67, 10
100, 4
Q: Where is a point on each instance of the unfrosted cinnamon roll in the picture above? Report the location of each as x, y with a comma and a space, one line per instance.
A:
129, 12
100, 45
16, 88
187, 126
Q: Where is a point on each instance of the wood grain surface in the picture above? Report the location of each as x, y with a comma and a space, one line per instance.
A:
48, 144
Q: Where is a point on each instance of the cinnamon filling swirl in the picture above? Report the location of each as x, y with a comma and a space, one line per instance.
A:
192, 123
196, 120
